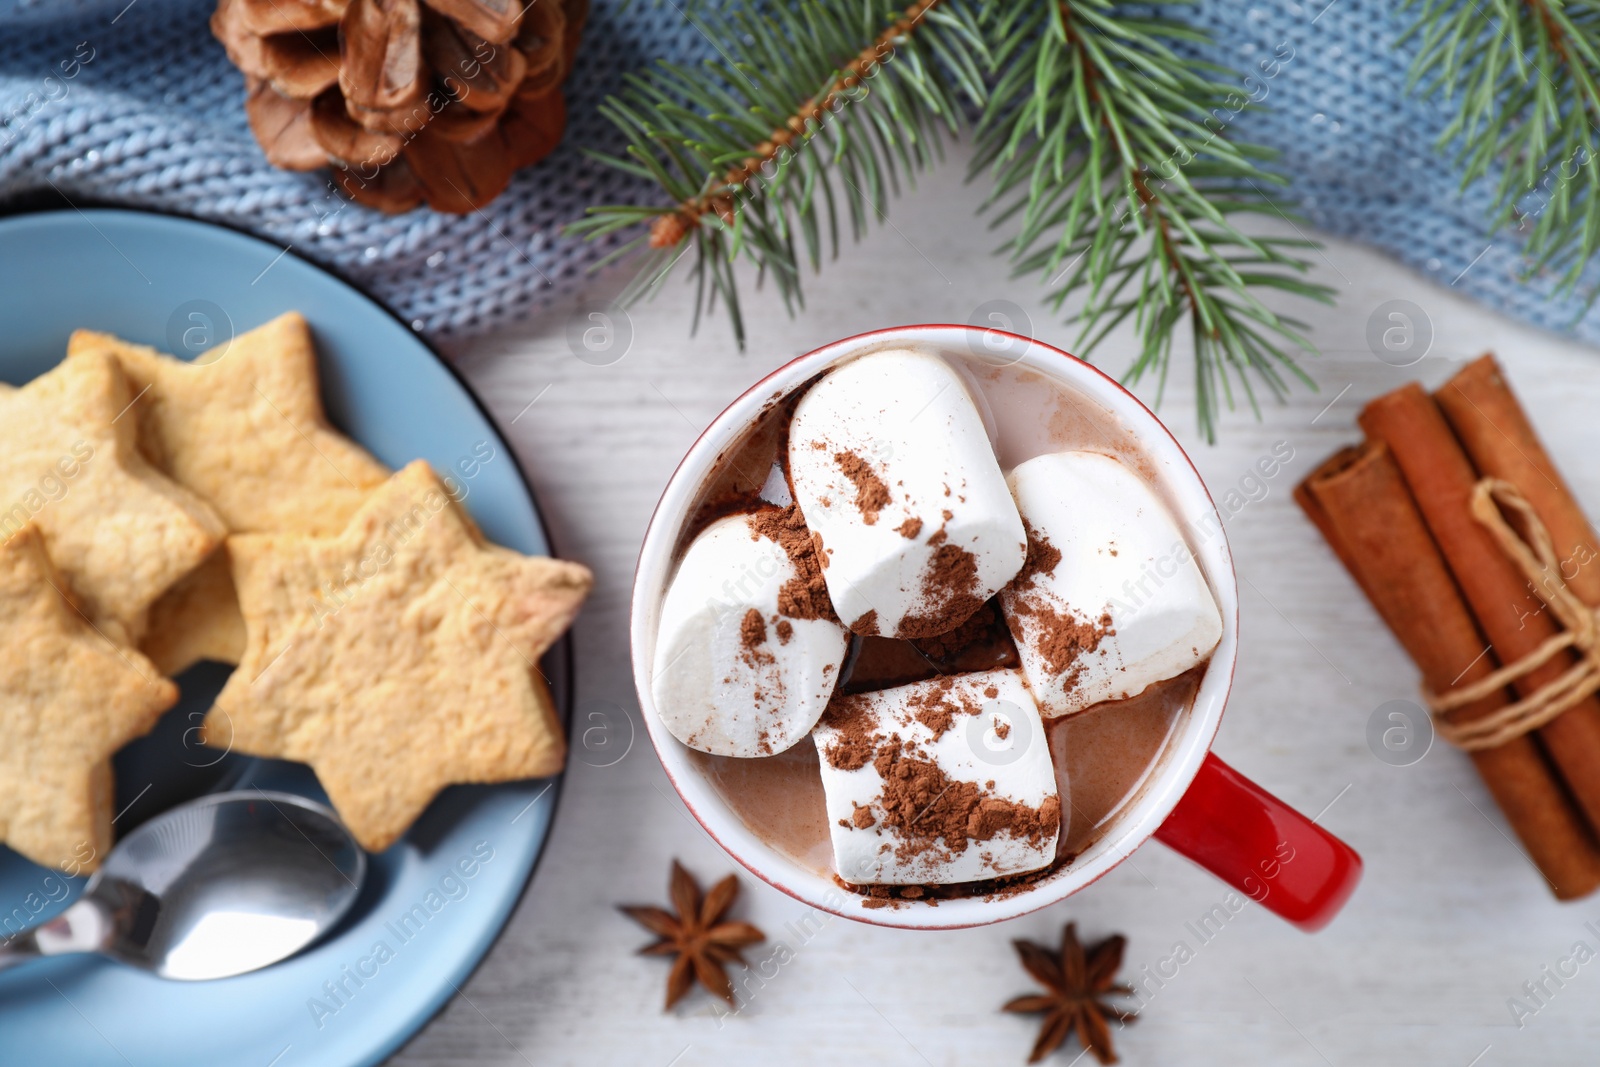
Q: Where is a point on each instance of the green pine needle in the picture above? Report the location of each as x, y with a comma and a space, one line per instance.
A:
1110, 157
1108, 161
1523, 76
687, 130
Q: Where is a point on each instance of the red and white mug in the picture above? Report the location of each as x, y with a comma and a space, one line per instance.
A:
1193, 802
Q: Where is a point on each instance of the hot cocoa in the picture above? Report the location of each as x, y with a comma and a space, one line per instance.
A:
1003, 625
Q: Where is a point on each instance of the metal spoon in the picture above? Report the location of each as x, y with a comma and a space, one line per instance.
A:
216, 887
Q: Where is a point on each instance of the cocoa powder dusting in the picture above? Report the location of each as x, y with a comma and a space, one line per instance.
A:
857, 742
1042, 559
867, 624
926, 810
752, 629
923, 806
936, 717
981, 643
937, 706
1062, 639
949, 594
806, 595
752, 635
872, 496
785, 630
910, 528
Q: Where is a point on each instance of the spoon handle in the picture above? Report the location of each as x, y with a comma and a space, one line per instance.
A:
84, 927
18, 948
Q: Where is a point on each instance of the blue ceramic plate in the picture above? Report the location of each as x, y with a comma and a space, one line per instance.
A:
434, 903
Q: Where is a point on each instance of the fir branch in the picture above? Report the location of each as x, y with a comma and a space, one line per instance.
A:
1096, 130
1110, 158
1523, 75
813, 108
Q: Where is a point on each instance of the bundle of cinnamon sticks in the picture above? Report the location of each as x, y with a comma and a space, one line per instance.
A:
1396, 509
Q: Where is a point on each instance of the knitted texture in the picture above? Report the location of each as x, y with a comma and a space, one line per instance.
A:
108, 101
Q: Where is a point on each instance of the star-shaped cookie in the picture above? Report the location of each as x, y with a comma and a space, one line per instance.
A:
397, 657
119, 531
242, 426
69, 699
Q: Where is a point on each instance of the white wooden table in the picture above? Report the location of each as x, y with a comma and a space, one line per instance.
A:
1449, 923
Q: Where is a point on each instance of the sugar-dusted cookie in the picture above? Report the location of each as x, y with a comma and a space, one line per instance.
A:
69, 698
118, 530
243, 426
397, 657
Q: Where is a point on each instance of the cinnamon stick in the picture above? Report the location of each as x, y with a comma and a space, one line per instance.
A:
1305, 494
1358, 499
1441, 479
1497, 435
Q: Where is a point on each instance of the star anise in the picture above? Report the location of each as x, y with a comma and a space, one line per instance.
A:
1075, 987
703, 944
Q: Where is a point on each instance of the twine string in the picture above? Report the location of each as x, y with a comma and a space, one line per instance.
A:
1535, 556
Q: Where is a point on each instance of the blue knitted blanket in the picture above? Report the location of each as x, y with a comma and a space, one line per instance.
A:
133, 102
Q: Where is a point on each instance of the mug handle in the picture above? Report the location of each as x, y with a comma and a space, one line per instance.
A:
1262, 847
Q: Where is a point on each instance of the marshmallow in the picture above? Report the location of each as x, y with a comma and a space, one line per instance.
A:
947, 780
733, 676
893, 469
1123, 605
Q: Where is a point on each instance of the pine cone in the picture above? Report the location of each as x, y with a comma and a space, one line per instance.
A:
408, 101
